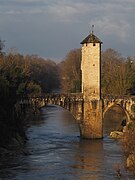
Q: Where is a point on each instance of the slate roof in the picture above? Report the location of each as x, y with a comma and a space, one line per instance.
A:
91, 38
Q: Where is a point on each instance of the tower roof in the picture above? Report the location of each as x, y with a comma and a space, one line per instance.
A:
91, 38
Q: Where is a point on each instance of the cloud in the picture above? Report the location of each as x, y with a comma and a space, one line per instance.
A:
66, 9
113, 20
113, 27
65, 12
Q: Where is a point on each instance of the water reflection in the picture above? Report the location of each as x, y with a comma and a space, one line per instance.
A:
112, 119
87, 159
57, 152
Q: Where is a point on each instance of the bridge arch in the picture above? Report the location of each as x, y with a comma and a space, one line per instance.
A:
73, 103
73, 114
113, 117
115, 104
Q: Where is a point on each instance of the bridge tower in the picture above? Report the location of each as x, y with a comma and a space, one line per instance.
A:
91, 125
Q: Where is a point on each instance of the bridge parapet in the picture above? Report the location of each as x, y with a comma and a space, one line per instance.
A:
73, 102
62, 99
127, 103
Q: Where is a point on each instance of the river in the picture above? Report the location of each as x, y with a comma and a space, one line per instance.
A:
57, 152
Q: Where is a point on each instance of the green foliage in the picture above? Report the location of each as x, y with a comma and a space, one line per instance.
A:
131, 126
21, 76
2, 45
76, 86
45, 72
33, 89
21, 89
21, 72
4, 87
129, 146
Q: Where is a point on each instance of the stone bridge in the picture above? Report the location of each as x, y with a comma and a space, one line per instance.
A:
74, 103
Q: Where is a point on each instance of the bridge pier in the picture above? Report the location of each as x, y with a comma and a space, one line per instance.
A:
91, 125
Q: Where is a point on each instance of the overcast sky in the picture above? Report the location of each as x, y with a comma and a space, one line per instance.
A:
51, 28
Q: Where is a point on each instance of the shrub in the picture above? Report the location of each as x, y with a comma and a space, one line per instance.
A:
129, 146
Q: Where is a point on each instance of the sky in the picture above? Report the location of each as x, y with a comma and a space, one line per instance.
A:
51, 28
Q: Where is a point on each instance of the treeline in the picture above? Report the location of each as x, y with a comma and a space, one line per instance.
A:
32, 75
117, 73
22, 76
26, 76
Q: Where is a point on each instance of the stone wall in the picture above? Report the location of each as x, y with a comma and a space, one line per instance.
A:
90, 67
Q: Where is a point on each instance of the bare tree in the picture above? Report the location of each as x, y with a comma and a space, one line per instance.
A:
70, 71
118, 74
2, 45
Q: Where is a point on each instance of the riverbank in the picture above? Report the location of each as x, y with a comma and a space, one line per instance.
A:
129, 146
13, 132
127, 137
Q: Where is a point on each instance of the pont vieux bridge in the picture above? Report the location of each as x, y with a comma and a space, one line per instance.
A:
88, 107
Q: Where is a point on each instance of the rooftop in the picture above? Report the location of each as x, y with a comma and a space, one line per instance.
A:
91, 38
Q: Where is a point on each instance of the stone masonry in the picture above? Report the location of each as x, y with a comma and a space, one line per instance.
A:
91, 125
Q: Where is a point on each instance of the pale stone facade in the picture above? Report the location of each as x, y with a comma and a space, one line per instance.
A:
90, 66
91, 125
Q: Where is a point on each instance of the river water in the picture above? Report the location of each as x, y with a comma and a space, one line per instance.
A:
56, 152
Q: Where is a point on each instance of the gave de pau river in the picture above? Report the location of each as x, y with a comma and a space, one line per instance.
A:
57, 152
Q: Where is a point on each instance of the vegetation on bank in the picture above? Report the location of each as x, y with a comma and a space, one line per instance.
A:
21, 76
129, 146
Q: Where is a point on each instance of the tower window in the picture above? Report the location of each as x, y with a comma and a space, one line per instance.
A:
94, 44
